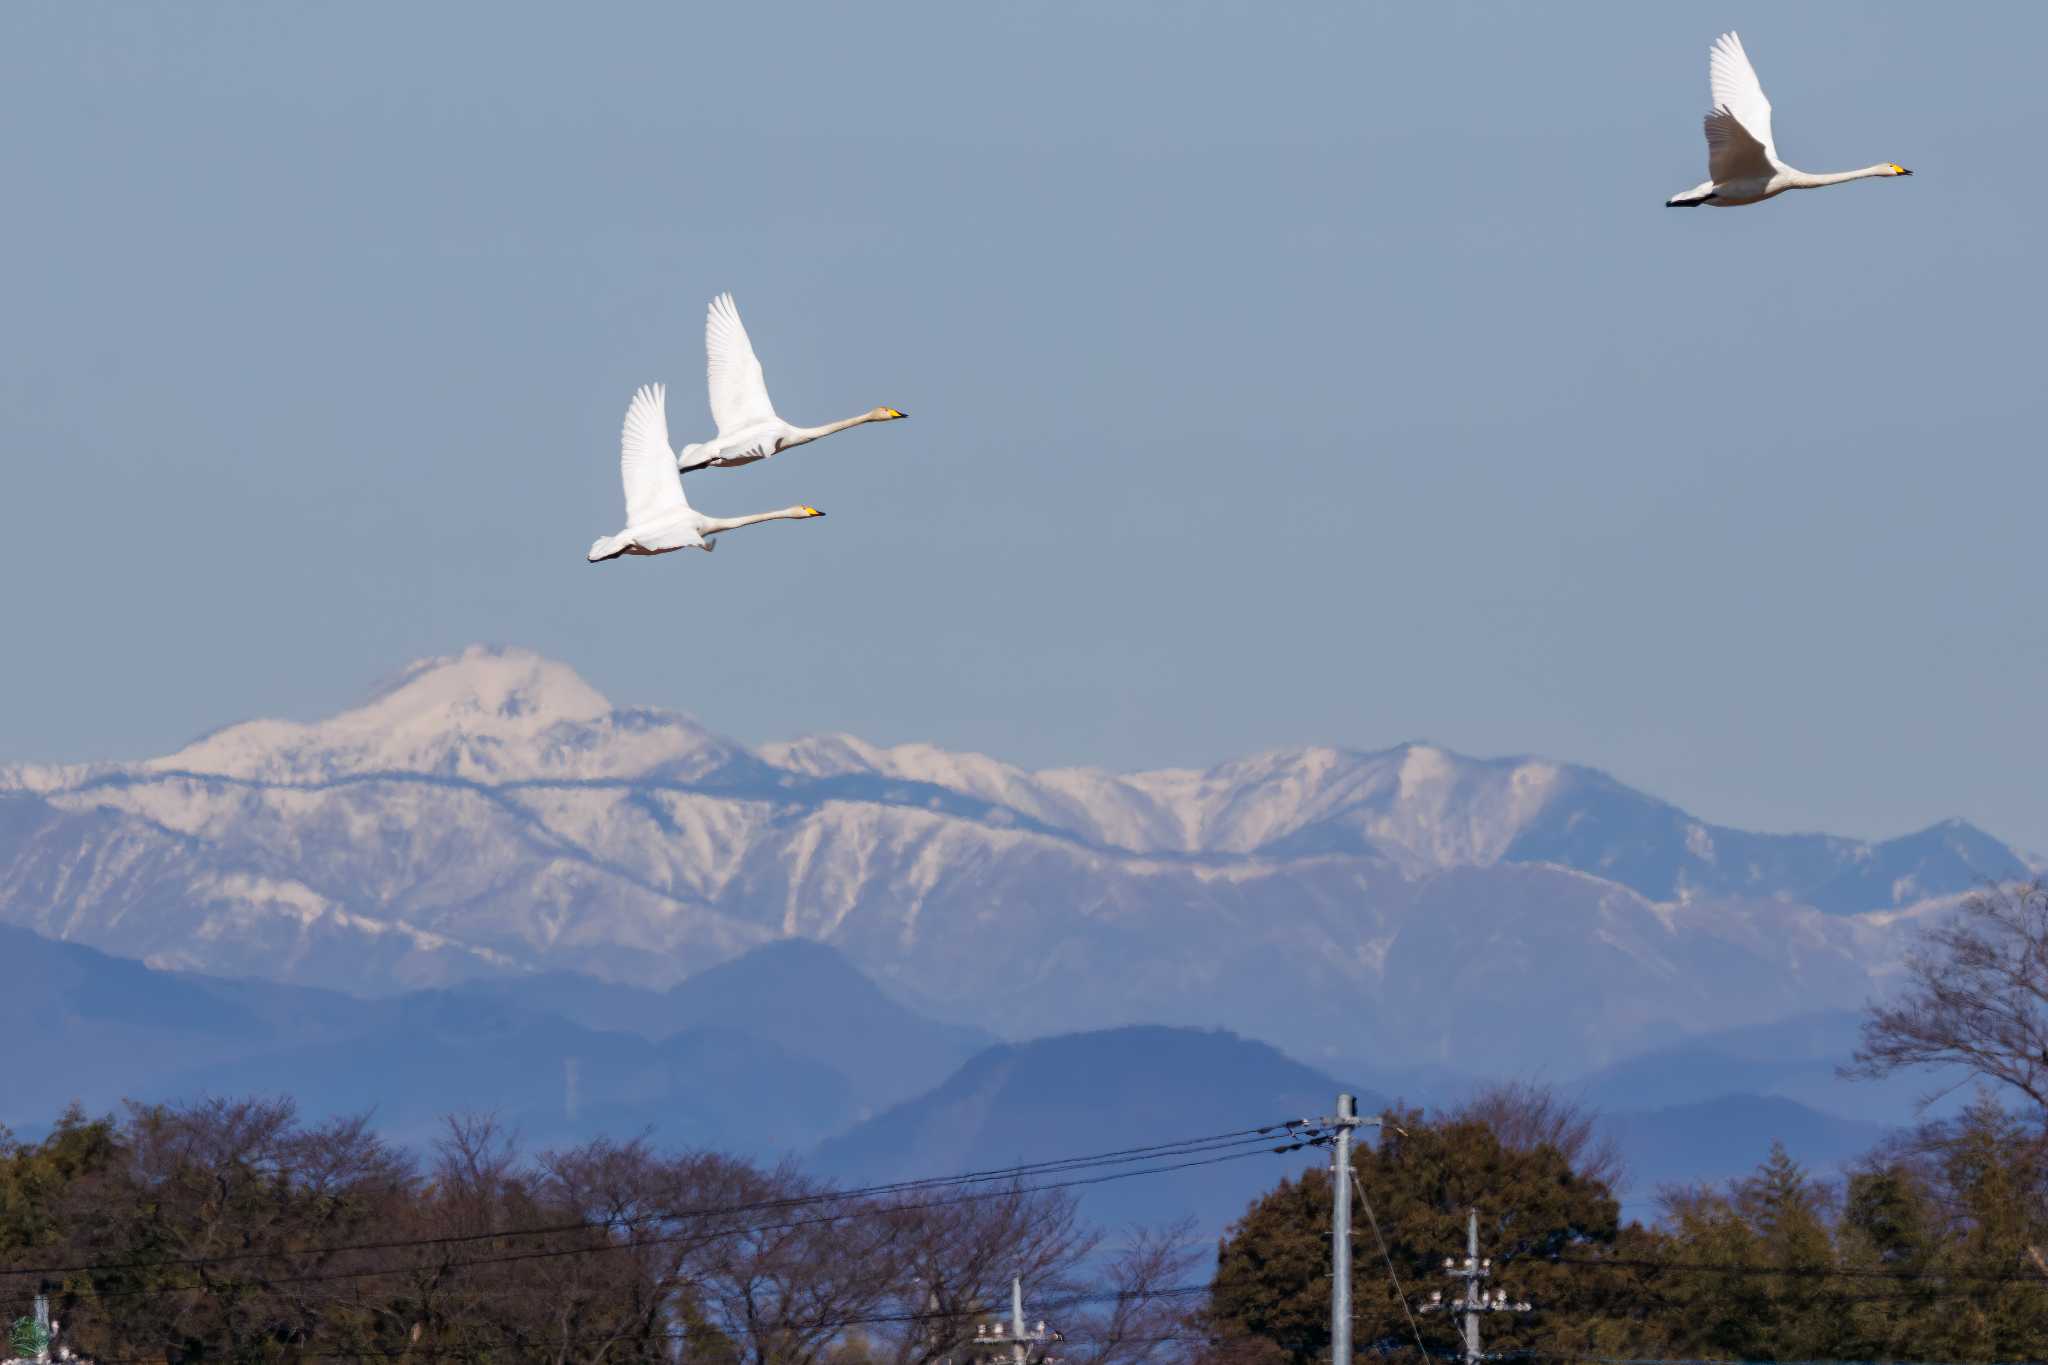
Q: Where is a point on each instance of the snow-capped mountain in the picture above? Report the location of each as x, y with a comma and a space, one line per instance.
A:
491, 813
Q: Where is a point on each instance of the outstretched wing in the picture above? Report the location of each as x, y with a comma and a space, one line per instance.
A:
648, 466
1739, 128
739, 394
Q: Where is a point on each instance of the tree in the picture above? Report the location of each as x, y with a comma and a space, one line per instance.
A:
33, 1179
1991, 1186
1977, 998
1270, 1300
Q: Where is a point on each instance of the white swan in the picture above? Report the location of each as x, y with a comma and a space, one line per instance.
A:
658, 517
1742, 163
748, 429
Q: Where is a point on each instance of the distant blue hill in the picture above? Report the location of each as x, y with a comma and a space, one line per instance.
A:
81, 1025
96, 1029
1083, 1093
800, 995
1796, 1059
749, 1068
1716, 1140
554, 1081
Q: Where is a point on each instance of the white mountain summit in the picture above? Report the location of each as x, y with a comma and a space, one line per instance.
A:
487, 715
491, 812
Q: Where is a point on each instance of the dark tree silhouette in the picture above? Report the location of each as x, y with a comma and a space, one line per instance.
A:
1976, 998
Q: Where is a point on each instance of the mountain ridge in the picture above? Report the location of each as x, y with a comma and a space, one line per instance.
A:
489, 814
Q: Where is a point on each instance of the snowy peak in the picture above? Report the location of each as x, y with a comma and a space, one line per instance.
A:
503, 690
1421, 804
483, 715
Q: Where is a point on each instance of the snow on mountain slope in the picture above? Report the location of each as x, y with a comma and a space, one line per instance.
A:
1432, 807
1425, 807
488, 715
490, 813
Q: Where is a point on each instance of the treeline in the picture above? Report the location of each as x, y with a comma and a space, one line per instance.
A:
1924, 1253
1931, 1248
231, 1231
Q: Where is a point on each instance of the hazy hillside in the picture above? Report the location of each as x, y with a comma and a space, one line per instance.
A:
804, 997
434, 1054
1136, 1087
1097, 1092
743, 1063
99, 1029
1716, 1140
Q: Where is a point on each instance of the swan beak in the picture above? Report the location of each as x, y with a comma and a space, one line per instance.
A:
895, 414
1897, 169
812, 512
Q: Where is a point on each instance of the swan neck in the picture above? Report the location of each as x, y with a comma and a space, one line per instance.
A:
813, 433
1806, 180
713, 525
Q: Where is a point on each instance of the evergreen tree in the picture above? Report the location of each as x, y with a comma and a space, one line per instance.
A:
1271, 1298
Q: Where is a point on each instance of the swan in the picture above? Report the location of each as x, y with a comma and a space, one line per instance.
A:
1742, 163
748, 429
658, 517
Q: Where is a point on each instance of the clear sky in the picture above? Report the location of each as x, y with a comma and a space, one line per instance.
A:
1277, 374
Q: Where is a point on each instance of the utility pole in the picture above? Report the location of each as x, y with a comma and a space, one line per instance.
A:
1475, 1301
1341, 1128
1026, 1347
1340, 1232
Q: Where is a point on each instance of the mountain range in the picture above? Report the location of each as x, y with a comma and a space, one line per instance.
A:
490, 817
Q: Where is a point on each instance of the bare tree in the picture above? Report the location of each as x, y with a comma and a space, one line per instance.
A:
231, 1230
1976, 999
953, 1253
1525, 1116
1147, 1319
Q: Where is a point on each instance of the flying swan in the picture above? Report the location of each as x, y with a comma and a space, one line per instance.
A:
658, 517
1742, 164
748, 429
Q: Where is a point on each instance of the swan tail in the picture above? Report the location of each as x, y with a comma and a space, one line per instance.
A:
609, 547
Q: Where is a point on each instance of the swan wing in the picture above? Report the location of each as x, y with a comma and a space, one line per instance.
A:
739, 393
646, 464
1739, 128
1732, 154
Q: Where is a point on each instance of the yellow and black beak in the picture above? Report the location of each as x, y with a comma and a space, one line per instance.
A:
1897, 169
812, 512
893, 413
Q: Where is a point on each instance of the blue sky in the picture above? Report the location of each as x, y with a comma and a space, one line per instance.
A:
1320, 373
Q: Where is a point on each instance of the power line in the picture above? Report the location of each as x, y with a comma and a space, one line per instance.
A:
833, 1324
1789, 1272
1246, 1138
1683, 1360
1399, 1296
696, 1239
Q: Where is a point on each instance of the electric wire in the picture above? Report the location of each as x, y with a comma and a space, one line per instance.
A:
1400, 1296
1788, 1272
1243, 1138
800, 1327
548, 1253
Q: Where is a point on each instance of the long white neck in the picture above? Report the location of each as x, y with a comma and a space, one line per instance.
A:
798, 435
713, 525
1807, 180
